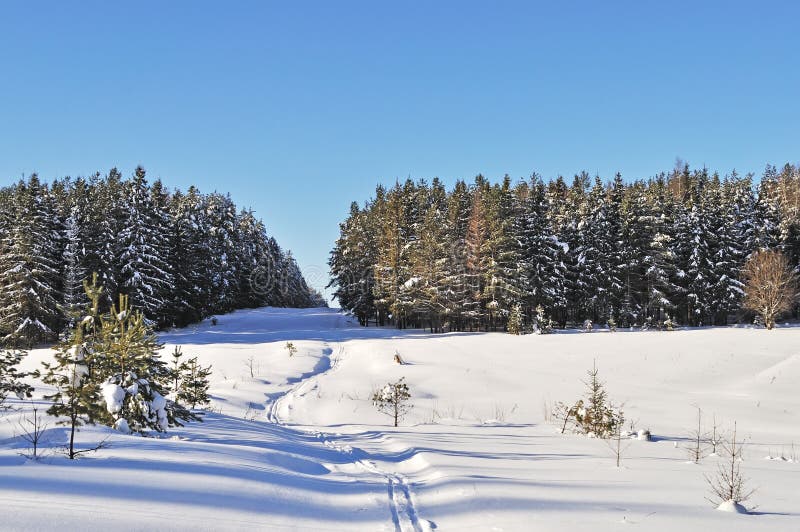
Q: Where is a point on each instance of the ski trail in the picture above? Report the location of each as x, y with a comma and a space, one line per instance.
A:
401, 505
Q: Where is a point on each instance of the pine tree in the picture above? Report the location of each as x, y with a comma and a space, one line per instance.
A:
143, 271
194, 385
134, 378
11, 382
594, 415
393, 399
456, 283
541, 271
77, 395
29, 298
515, 321
475, 254
500, 264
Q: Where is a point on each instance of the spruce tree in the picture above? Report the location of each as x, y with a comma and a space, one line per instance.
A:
29, 297
194, 384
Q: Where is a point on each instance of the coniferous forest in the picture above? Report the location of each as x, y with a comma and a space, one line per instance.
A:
179, 256
669, 249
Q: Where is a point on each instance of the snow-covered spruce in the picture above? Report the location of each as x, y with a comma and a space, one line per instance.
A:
180, 256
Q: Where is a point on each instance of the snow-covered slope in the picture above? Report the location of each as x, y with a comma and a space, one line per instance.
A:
294, 442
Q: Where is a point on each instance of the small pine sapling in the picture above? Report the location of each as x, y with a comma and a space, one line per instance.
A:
290, 347
588, 326
135, 381
176, 367
596, 417
729, 487
76, 395
194, 384
392, 400
612, 324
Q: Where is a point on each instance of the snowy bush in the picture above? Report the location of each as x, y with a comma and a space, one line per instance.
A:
588, 326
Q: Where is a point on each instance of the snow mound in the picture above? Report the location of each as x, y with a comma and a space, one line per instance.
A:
732, 507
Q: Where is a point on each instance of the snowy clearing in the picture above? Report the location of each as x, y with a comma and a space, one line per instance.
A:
298, 445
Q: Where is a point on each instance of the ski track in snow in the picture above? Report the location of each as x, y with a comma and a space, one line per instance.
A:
400, 499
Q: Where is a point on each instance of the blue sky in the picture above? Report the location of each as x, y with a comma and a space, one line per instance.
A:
298, 108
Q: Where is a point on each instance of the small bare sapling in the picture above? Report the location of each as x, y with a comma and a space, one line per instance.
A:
697, 449
32, 429
728, 486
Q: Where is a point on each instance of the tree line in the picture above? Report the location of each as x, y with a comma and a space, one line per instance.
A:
178, 256
668, 248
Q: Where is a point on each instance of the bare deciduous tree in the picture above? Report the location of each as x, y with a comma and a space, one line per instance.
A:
770, 285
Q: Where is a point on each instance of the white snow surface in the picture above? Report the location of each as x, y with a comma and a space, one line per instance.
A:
299, 445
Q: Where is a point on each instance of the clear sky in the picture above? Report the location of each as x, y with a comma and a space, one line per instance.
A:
298, 108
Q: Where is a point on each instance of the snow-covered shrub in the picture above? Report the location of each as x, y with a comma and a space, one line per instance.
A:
668, 324
588, 326
392, 400
612, 324
566, 415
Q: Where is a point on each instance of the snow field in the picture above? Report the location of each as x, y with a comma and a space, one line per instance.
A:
299, 446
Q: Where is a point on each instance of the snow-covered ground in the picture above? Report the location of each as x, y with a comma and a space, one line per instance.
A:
298, 445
